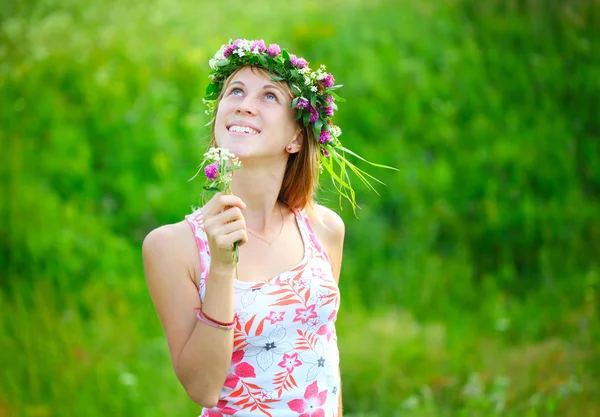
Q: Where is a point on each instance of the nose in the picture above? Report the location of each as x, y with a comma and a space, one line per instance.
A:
246, 107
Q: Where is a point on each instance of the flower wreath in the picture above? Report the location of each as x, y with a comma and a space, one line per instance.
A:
314, 100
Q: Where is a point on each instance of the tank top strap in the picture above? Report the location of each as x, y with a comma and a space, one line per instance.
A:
196, 222
304, 222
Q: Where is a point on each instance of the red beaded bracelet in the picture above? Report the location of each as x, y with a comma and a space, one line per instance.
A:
202, 316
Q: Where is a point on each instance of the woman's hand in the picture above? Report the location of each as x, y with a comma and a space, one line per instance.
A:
224, 225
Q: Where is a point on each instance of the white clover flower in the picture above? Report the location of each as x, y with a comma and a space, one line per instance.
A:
220, 54
307, 80
321, 74
244, 45
212, 63
313, 88
256, 50
240, 52
335, 131
221, 154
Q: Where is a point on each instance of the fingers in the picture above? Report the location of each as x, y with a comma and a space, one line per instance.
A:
219, 202
231, 227
224, 223
214, 223
226, 241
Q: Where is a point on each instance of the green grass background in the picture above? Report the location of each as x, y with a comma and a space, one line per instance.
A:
469, 286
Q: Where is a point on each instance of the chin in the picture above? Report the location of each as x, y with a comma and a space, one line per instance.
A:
239, 146
236, 147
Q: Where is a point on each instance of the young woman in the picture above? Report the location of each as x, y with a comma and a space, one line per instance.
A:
259, 339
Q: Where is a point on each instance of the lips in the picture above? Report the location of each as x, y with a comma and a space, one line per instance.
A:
243, 128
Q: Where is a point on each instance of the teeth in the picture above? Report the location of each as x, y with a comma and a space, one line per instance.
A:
242, 129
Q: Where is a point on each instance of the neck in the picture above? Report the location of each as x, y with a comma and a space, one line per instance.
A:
259, 188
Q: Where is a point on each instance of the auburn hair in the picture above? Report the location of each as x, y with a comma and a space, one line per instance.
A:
301, 176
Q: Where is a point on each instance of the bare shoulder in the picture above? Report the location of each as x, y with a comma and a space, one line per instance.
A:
330, 224
170, 244
329, 228
167, 238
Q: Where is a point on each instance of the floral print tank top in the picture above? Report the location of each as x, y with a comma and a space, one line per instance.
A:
285, 356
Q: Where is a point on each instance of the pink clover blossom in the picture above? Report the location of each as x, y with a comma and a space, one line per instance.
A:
329, 81
325, 136
302, 103
260, 44
301, 63
274, 49
314, 114
212, 171
228, 51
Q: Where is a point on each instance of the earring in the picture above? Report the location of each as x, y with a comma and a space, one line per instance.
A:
289, 148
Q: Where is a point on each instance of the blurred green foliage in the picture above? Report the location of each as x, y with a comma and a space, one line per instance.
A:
470, 285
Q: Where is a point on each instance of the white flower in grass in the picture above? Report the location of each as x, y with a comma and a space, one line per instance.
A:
410, 403
128, 379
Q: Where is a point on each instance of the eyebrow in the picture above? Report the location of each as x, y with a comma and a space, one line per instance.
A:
264, 86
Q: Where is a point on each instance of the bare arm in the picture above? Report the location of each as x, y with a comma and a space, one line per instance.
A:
201, 354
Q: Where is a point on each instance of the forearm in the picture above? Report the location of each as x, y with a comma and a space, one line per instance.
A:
206, 356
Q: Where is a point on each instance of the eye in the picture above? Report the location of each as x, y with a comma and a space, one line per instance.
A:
236, 91
271, 96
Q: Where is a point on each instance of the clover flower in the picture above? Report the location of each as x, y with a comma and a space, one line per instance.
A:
325, 137
335, 130
301, 63
314, 103
212, 171
258, 46
219, 174
274, 50
228, 51
314, 114
302, 104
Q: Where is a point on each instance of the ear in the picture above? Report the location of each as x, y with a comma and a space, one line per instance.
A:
296, 143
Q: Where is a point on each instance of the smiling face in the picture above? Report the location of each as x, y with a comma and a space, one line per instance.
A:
254, 117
